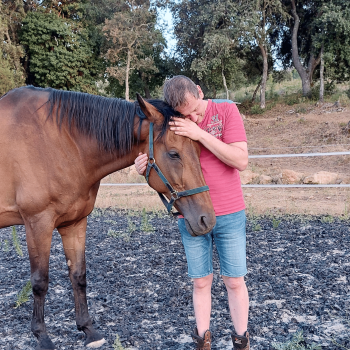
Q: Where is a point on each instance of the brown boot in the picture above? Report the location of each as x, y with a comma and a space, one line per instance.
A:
202, 343
241, 342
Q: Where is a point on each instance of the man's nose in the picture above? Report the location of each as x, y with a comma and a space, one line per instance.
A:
191, 117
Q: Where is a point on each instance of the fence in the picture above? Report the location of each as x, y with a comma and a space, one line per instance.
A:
272, 185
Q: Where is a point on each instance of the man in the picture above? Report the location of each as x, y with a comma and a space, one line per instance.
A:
219, 129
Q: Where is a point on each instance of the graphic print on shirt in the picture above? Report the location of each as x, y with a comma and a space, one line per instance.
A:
215, 127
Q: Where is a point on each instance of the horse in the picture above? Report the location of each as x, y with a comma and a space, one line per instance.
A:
55, 147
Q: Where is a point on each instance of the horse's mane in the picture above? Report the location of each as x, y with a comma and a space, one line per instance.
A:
109, 120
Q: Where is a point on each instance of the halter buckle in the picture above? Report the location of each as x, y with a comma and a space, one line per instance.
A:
174, 195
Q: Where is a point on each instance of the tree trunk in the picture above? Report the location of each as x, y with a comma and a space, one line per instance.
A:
147, 92
264, 76
224, 82
127, 76
305, 78
321, 75
256, 91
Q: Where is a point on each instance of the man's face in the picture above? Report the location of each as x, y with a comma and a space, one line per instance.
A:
193, 109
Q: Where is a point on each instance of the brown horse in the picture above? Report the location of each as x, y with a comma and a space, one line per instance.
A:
55, 147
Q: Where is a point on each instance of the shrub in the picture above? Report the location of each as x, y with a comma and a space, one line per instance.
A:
256, 109
292, 99
23, 295
297, 343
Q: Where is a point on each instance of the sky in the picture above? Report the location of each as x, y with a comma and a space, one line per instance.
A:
165, 21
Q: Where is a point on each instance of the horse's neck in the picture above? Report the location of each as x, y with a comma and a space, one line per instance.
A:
102, 163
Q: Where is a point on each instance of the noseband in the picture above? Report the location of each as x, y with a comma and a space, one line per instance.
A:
174, 194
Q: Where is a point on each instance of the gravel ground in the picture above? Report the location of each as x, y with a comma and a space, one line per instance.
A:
299, 272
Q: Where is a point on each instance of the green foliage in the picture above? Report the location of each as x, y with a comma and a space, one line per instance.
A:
327, 219
11, 52
6, 245
256, 226
292, 99
23, 295
117, 345
119, 234
275, 223
256, 109
134, 43
146, 226
58, 53
131, 225
297, 343
281, 76
16, 243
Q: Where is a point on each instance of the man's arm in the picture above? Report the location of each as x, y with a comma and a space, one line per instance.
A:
233, 154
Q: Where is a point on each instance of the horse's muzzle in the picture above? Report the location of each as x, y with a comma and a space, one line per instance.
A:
200, 226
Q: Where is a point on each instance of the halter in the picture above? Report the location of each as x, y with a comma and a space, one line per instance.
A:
174, 194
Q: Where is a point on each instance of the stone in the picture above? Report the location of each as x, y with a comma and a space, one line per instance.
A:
264, 179
321, 178
247, 176
291, 177
345, 180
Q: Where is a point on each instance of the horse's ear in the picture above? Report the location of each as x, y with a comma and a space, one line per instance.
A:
151, 112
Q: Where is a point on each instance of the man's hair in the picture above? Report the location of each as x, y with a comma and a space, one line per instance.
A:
176, 88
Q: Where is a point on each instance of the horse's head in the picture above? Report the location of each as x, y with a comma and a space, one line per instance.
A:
178, 159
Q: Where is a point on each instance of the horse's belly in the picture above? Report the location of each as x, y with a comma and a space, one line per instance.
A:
9, 218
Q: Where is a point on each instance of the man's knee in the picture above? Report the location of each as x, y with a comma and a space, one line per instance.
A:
203, 282
234, 283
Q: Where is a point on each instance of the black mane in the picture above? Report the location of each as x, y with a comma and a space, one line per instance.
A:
109, 120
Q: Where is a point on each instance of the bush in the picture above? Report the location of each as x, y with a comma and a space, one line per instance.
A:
292, 99
281, 76
256, 109
245, 106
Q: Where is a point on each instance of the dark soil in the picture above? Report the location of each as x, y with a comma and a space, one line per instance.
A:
299, 272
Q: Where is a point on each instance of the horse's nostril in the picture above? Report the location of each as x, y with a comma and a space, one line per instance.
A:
204, 221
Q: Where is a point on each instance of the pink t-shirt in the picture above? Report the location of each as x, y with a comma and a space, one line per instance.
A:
222, 120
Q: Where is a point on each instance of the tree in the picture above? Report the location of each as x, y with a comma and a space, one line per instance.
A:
266, 15
11, 52
217, 62
210, 34
334, 42
192, 19
130, 32
58, 53
295, 39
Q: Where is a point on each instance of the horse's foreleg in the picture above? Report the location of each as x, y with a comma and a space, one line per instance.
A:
73, 238
39, 236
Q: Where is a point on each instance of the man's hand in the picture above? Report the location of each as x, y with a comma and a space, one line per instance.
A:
141, 163
186, 127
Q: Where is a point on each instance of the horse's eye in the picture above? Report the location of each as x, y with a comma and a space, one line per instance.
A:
174, 155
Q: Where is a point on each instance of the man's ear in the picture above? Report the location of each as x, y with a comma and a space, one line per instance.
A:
151, 112
201, 94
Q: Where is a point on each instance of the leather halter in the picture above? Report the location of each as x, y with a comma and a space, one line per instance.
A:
174, 194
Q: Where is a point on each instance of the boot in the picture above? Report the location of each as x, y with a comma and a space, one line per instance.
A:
202, 343
241, 342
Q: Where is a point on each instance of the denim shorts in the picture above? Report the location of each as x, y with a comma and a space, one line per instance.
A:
229, 235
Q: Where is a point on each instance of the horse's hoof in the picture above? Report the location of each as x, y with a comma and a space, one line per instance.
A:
45, 343
96, 344
94, 339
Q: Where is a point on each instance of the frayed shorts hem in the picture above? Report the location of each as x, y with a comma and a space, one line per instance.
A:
228, 275
200, 276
